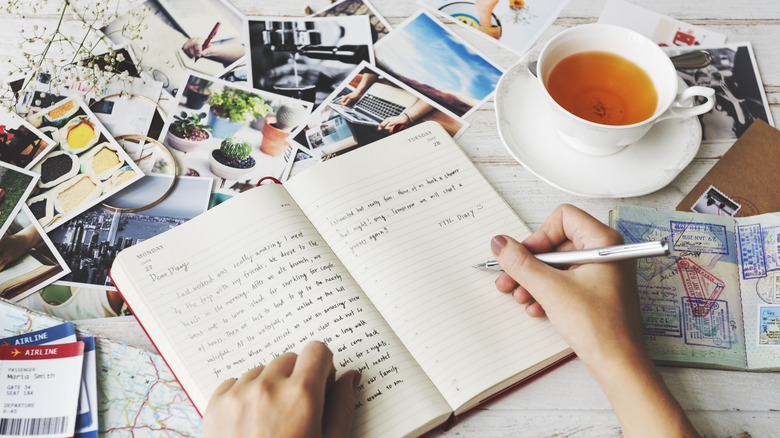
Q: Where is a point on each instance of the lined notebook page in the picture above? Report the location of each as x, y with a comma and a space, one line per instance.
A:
419, 216
251, 279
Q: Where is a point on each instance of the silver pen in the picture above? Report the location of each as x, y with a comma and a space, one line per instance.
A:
595, 255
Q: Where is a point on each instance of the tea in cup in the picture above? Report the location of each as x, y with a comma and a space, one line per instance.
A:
609, 85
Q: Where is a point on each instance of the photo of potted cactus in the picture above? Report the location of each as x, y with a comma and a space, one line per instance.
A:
233, 108
277, 129
187, 131
232, 159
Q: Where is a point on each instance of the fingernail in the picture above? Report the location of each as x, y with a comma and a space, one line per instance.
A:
497, 244
356, 381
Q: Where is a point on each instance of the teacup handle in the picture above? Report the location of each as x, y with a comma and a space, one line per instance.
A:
677, 110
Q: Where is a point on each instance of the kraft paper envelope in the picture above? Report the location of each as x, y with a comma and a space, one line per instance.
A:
744, 181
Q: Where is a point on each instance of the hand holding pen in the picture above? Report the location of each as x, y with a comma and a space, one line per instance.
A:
594, 307
595, 255
196, 47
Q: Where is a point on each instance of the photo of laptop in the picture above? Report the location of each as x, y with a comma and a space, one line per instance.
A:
379, 102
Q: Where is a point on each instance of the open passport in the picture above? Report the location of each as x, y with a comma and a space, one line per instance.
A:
370, 252
714, 302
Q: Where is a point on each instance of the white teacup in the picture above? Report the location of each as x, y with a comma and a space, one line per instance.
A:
603, 139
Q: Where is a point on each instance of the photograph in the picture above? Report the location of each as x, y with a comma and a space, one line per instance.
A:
90, 242
301, 158
306, 58
74, 303
86, 167
368, 106
28, 259
22, 144
231, 133
739, 93
123, 106
515, 24
176, 35
16, 187
713, 201
663, 30
425, 55
379, 26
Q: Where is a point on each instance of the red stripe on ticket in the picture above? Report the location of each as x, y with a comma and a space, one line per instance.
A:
32, 352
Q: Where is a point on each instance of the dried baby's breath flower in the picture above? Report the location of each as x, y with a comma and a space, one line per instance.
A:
63, 56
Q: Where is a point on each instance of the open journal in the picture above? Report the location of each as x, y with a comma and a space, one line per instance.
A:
715, 301
370, 252
25, 272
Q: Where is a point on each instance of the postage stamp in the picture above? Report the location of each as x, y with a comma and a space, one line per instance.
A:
710, 330
751, 251
713, 201
768, 325
701, 286
661, 318
699, 237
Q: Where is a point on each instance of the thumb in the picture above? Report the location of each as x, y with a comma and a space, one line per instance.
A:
519, 263
340, 406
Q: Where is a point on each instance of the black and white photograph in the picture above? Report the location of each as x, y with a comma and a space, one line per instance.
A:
739, 96
306, 58
379, 26
90, 242
175, 35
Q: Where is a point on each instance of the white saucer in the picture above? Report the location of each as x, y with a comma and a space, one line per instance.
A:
641, 168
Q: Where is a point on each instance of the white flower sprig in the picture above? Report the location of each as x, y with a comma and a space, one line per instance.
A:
66, 55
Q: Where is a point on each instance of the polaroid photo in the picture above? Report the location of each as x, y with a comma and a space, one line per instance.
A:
236, 72
514, 24
72, 303
179, 35
211, 112
301, 158
37, 262
739, 93
305, 58
379, 26
90, 242
86, 168
663, 30
370, 105
127, 108
16, 186
713, 201
123, 106
21, 144
428, 57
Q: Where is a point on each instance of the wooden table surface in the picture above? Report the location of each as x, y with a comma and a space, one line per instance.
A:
565, 401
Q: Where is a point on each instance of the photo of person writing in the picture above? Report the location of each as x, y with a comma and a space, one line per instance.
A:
28, 259
594, 307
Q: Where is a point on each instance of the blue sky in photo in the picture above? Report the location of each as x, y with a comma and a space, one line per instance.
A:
426, 52
188, 198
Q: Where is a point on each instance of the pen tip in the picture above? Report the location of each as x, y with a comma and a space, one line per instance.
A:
479, 266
